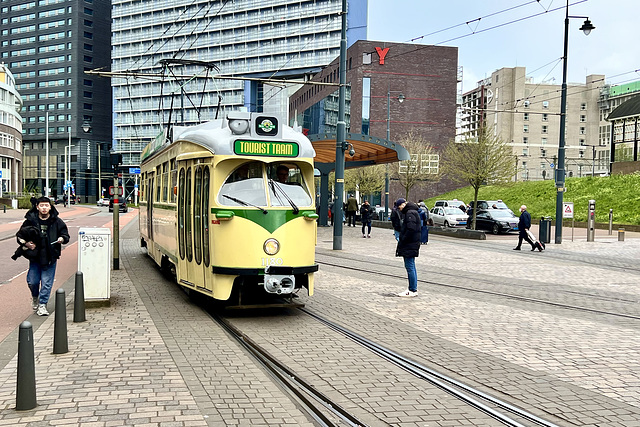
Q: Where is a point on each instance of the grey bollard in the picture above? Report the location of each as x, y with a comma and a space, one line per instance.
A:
60, 342
620, 234
78, 299
26, 381
610, 222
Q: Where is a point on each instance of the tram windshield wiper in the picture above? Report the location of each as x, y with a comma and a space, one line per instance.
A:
242, 202
275, 186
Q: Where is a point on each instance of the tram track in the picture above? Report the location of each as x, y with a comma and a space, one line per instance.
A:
367, 269
302, 391
468, 394
317, 404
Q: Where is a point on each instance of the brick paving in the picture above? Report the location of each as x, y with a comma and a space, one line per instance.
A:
154, 358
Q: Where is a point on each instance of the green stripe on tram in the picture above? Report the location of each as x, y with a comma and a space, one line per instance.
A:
271, 221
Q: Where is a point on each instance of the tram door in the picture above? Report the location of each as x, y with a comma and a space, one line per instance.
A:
193, 225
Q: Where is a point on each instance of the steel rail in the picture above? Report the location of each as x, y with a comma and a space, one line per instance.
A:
438, 379
291, 381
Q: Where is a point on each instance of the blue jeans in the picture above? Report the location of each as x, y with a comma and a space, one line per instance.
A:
41, 275
410, 265
397, 235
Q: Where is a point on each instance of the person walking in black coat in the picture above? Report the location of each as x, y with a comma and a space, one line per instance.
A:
524, 224
396, 218
409, 244
42, 266
365, 216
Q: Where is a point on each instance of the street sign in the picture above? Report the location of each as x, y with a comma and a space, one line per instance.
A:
134, 170
551, 165
112, 191
0, 174
567, 210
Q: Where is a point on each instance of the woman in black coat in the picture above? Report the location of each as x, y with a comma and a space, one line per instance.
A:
409, 244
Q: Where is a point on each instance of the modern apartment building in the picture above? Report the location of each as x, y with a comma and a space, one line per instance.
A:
191, 42
10, 134
47, 45
526, 115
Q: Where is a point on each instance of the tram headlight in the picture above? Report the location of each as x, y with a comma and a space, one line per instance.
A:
271, 246
238, 126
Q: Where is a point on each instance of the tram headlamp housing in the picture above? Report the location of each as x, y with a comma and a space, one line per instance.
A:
239, 122
238, 126
271, 246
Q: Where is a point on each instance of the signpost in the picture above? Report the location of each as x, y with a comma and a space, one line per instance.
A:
567, 212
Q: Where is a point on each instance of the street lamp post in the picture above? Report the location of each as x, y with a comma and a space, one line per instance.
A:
341, 133
386, 170
560, 172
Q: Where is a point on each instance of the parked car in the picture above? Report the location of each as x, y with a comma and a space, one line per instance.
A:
455, 203
122, 205
103, 202
495, 220
447, 217
487, 204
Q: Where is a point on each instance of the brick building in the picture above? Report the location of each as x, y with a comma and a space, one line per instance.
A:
415, 85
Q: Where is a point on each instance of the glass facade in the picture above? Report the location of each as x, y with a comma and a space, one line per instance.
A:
250, 38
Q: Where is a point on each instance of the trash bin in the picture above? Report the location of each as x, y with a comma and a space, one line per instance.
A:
545, 230
94, 257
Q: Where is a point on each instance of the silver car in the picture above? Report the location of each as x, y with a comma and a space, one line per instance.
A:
448, 217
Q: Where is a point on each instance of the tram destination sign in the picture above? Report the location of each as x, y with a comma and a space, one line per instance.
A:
266, 148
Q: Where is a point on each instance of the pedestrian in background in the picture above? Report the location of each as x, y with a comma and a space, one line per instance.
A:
396, 218
524, 224
352, 208
409, 244
42, 267
365, 217
424, 217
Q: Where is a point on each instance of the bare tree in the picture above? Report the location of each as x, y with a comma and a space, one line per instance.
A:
421, 166
478, 161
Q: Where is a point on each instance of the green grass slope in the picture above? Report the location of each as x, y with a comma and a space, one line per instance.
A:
618, 192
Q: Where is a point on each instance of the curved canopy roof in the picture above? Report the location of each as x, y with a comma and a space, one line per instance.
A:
369, 150
630, 108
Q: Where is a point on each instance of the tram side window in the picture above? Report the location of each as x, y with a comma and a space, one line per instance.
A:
288, 183
181, 244
205, 216
246, 184
165, 180
174, 181
188, 236
158, 184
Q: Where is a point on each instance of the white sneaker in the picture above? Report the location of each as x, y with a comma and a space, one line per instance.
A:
34, 303
408, 293
42, 310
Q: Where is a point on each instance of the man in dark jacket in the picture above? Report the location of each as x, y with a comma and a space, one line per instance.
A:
409, 244
42, 267
365, 216
352, 208
524, 223
396, 218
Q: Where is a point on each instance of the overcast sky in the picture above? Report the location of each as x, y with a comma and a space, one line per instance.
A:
535, 43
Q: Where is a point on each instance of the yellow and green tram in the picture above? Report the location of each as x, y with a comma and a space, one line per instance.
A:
228, 206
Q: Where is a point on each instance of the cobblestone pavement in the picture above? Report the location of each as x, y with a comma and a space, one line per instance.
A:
154, 358
588, 350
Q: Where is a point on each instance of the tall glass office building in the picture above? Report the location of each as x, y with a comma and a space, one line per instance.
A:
190, 42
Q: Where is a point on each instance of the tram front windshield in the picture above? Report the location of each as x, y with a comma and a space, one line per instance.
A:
246, 186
